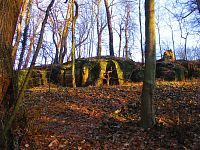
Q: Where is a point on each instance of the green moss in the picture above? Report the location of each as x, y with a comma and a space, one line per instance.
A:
22, 76
44, 79
103, 65
120, 73
85, 75
180, 73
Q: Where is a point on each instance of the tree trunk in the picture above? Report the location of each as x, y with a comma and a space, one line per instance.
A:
111, 47
68, 20
9, 12
8, 21
198, 5
15, 108
73, 42
32, 39
159, 40
120, 39
141, 36
127, 30
147, 107
25, 34
19, 26
98, 30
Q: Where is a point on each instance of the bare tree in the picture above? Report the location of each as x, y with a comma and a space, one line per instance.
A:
25, 34
100, 27
141, 34
73, 42
110, 29
127, 20
19, 29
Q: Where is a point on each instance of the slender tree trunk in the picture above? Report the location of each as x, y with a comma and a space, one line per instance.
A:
147, 106
198, 5
19, 26
98, 30
126, 44
68, 20
185, 47
25, 34
141, 35
126, 30
120, 40
111, 46
173, 43
159, 40
73, 42
32, 39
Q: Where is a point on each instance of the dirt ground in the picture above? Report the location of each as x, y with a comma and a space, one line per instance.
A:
107, 118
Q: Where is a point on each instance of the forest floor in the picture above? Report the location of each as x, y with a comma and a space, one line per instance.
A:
107, 118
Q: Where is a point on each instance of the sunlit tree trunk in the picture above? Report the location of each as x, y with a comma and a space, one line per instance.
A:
127, 30
9, 12
98, 29
32, 39
25, 34
159, 40
147, 106
19, 29
73, 42
111, 47
63, 46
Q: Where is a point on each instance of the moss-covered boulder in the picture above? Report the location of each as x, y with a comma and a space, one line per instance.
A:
193, 68
100, 70
170, 71
38, 77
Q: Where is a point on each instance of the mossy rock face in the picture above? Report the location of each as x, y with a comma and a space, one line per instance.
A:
98, 71
38, 77
193, 68
137, 73
170, 71
55, 74
168, 56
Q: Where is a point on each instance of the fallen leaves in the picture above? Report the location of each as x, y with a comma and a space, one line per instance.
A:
108, 117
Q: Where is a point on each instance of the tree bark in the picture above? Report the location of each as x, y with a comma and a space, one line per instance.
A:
9, 12
15, 108
127, 30
111, 47
63, 46
18, 31
141, 35
98, 29
25, 34
73, 42
198, 5
32, 39
147, 110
